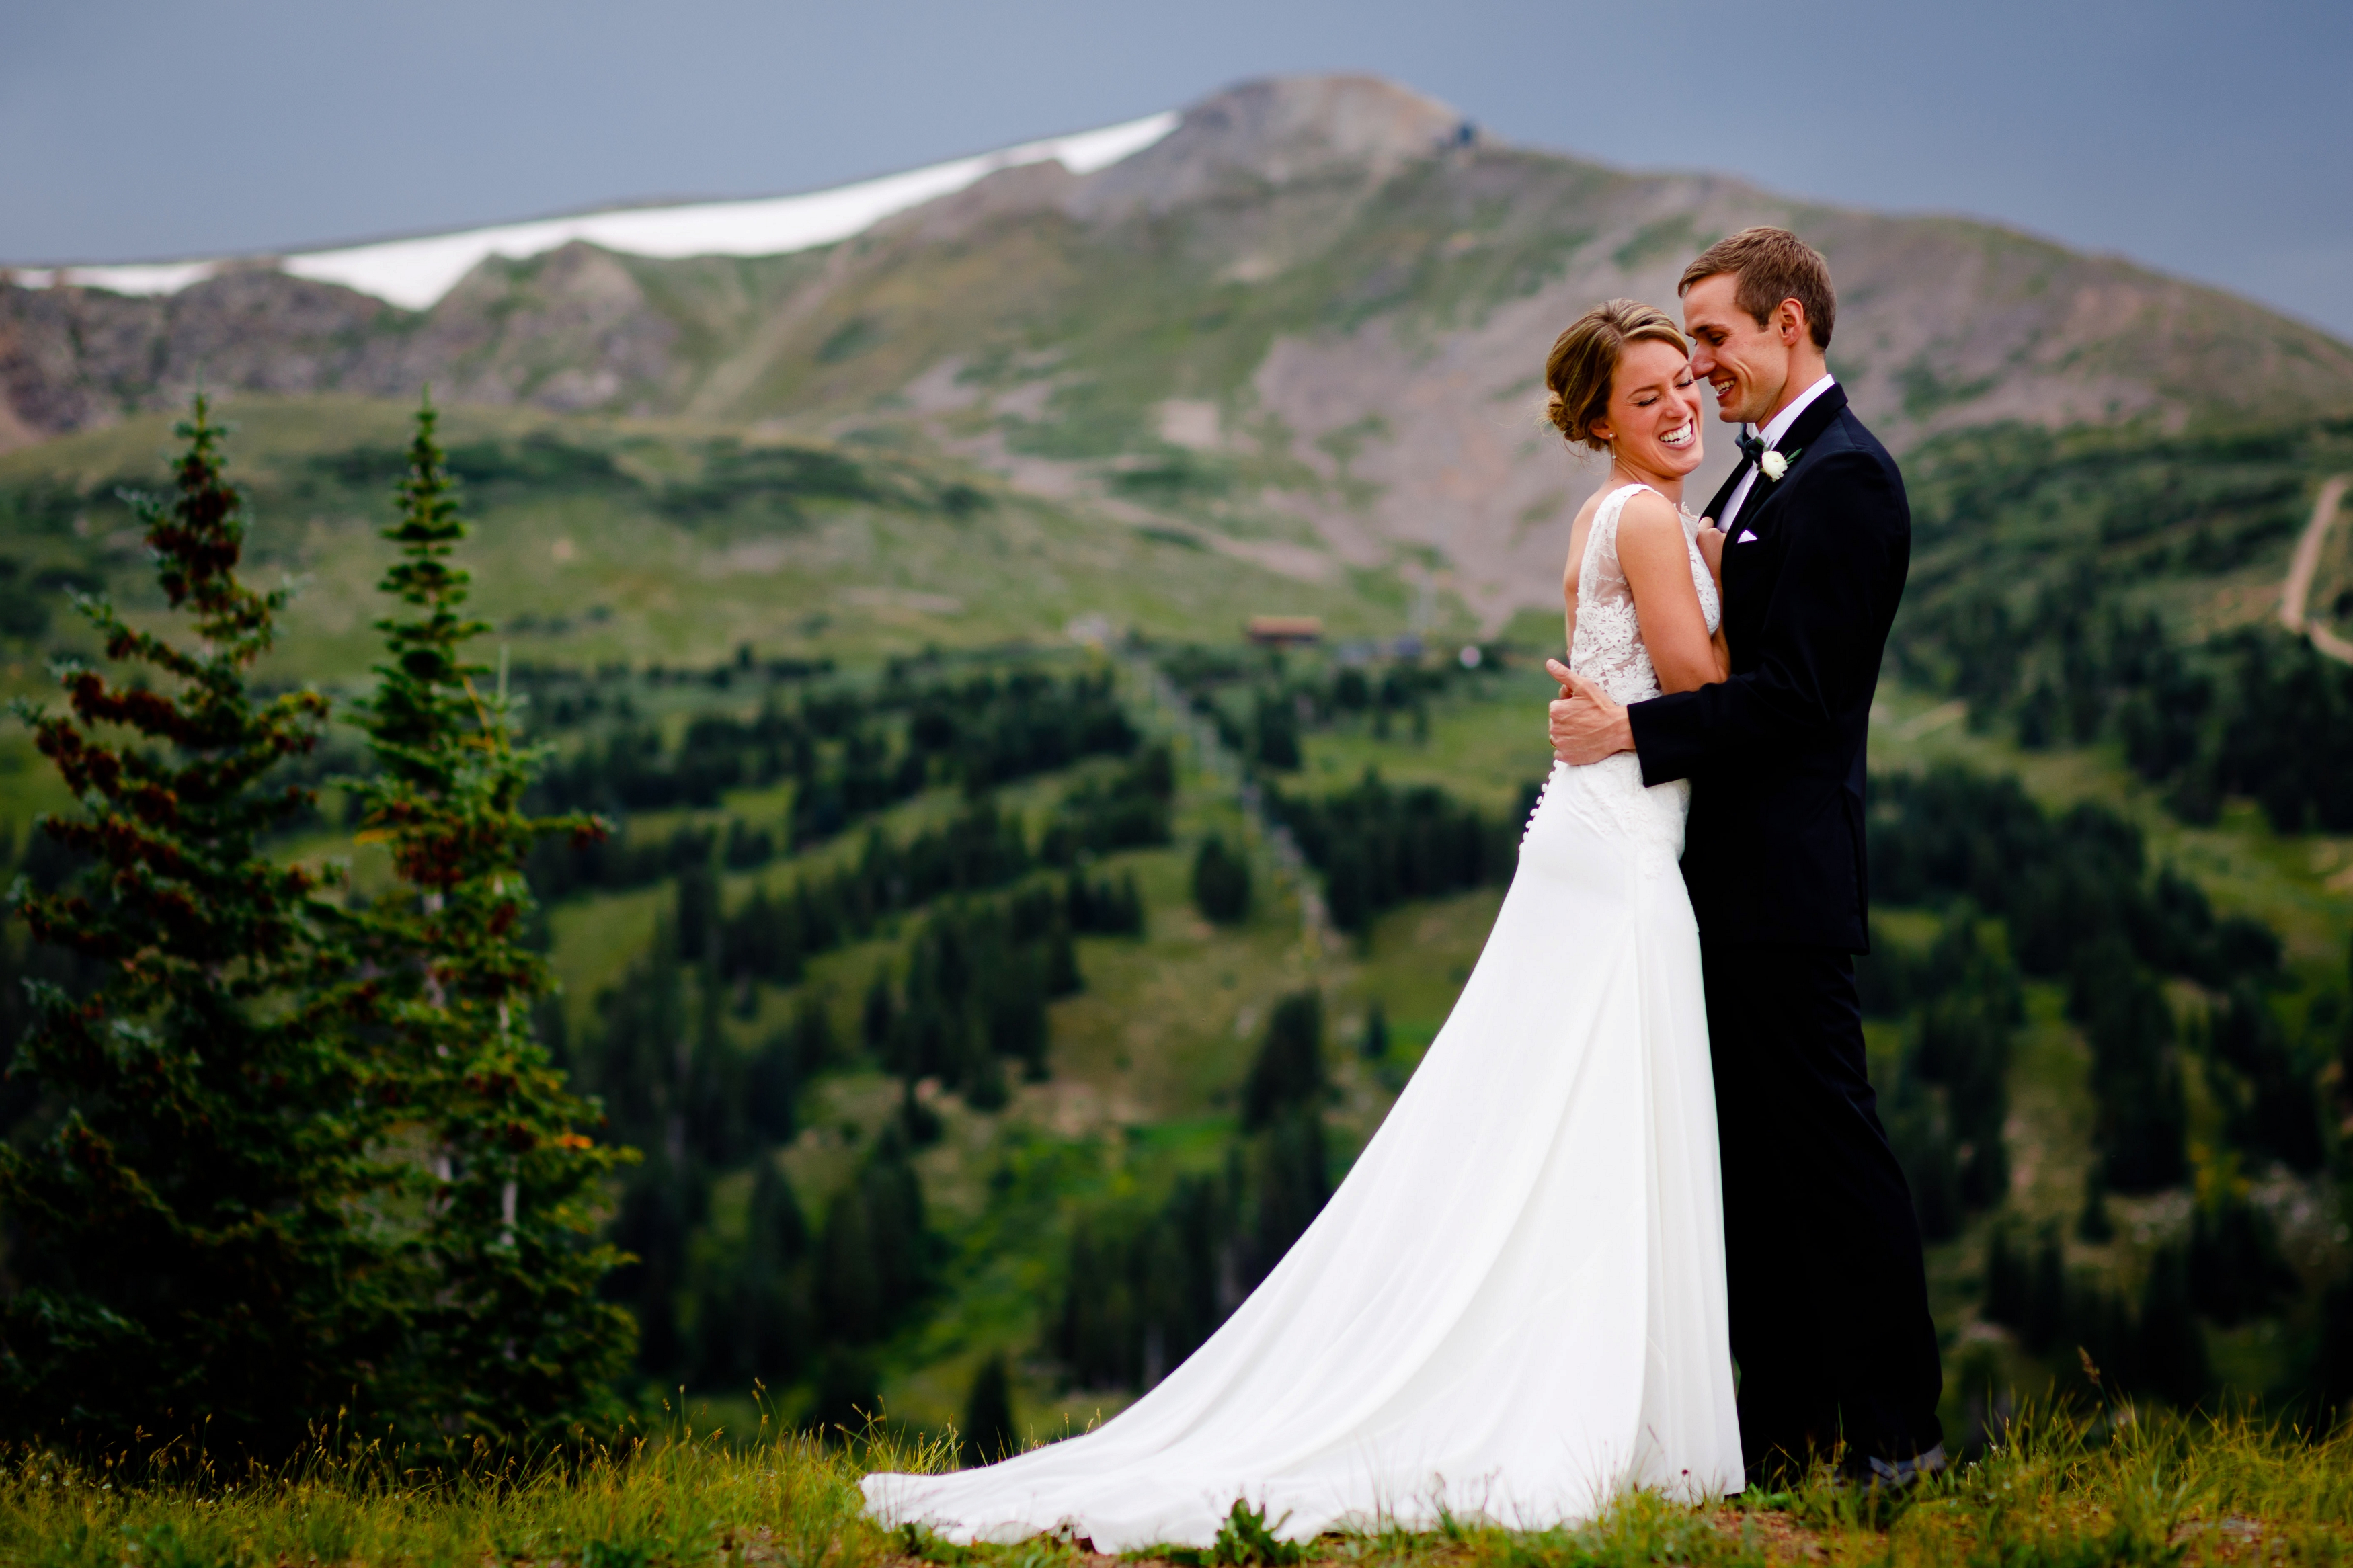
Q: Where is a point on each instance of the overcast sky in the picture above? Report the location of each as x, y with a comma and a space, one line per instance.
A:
2212, 141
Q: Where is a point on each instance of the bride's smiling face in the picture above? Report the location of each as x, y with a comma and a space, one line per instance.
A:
1652, 422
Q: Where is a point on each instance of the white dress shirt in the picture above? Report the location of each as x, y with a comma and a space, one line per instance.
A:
1771, 435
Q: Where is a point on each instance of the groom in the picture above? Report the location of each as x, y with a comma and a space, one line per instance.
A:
1828, 1299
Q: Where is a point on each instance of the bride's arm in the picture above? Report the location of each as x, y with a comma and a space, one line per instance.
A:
1568, 599
1577, 532
1656, 558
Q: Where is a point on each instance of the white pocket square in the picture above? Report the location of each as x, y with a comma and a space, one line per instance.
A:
1746, 538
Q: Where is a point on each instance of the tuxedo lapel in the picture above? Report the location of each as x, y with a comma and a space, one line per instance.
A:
1722, 495
1795, 442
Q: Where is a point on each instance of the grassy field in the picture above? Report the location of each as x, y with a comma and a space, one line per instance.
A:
2069, 1492
660, 562
1145, 1061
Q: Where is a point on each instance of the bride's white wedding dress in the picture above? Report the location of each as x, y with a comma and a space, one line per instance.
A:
1513, 1307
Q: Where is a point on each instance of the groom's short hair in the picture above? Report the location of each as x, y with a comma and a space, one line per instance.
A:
1768, 266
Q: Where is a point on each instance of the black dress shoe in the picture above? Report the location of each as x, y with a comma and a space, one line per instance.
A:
1897, 1473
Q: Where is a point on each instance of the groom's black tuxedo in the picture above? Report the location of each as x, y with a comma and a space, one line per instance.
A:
1813, 567
1829, 1305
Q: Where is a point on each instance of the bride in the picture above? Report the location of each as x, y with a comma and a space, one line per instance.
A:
1513, 1307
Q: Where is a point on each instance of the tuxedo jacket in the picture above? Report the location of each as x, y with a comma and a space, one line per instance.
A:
1813, 567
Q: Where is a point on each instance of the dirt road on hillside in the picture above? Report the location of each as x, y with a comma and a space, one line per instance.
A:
2293, 601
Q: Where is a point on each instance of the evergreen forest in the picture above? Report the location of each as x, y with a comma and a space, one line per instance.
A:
504, 1050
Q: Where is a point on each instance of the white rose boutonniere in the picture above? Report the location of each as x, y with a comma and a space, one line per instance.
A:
1774, 465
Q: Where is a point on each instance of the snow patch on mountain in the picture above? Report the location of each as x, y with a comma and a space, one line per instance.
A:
415, 273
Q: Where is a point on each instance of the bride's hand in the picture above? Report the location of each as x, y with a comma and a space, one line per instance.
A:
1711, 550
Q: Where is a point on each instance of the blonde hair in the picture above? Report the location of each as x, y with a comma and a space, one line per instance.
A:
1584, 361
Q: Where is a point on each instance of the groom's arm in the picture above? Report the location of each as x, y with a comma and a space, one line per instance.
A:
1822, 635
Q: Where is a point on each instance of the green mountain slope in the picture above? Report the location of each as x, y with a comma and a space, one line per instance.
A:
632, 541
1041, 1198
1310, 321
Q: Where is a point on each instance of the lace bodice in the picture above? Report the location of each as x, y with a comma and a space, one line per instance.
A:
1609, 649
1609, 797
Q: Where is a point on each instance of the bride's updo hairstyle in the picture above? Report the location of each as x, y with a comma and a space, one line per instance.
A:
1585, 358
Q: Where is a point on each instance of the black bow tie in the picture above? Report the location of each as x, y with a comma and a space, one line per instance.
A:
1752, 448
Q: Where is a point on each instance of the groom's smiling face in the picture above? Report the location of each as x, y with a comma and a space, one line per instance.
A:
1748, 364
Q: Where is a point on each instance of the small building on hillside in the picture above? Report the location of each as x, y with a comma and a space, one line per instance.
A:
1285, 631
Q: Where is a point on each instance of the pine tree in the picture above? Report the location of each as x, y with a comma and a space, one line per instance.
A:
1288, 1072
712, 1094
2101, 1325
515, 1341
2270, 1103
1348, 887
771, 1085
755, 1325
879, 1014
2345, 1038
1062, 976
2094, 1225
851, 1300
1275, 722
812, 1036
988, 1433
2334, 1372
698, 913
1221, 883
2237, 1269
2046, 1303
195, 1250
848, 1394
873, 1256
2009, 1287
983, 1079
1288, 1186
2143, 1128
658, 1210
1922, 1136
2171, 1352
918, 1122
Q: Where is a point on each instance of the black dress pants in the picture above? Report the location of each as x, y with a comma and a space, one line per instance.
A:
1829, 1293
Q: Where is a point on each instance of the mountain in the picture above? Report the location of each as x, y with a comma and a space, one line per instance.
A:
1304, 327
755, 530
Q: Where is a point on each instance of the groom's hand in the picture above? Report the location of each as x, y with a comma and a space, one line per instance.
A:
1586, 725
